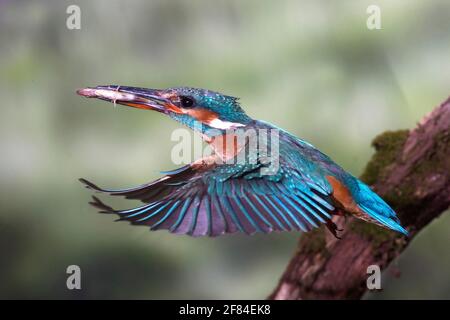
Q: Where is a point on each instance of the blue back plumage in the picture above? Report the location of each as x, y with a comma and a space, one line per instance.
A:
315, 165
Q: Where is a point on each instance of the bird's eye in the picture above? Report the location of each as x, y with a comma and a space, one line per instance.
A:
187, 102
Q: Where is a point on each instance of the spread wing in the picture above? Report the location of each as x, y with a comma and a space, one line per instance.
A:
214, 199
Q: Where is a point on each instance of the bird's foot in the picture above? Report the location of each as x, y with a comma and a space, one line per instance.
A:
333, 228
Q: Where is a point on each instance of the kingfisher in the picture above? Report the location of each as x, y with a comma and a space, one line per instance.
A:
278, 183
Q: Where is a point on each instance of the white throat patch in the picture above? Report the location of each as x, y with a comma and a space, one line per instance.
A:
224, 125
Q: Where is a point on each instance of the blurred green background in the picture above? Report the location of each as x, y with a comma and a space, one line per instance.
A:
311, 67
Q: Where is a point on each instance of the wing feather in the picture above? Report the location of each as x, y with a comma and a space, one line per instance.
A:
213, 200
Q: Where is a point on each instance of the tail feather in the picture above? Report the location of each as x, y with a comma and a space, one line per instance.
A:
390, 222
377, 209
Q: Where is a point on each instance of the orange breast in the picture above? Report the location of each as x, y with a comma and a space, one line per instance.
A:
342, 196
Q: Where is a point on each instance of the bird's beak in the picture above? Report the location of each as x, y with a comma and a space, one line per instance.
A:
142, 98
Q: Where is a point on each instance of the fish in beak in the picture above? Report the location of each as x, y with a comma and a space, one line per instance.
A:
141, 98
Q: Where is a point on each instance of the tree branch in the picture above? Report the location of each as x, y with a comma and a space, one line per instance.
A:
411, 171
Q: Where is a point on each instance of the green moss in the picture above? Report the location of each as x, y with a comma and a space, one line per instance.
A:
375, 234
407, 195
387, 146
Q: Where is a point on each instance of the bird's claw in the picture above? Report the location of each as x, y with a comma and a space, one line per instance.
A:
332, 227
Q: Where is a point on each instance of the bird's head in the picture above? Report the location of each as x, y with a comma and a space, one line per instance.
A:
200, 109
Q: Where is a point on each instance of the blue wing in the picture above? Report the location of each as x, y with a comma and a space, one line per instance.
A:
219, 199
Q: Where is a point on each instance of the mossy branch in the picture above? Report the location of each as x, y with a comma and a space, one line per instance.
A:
411, 171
